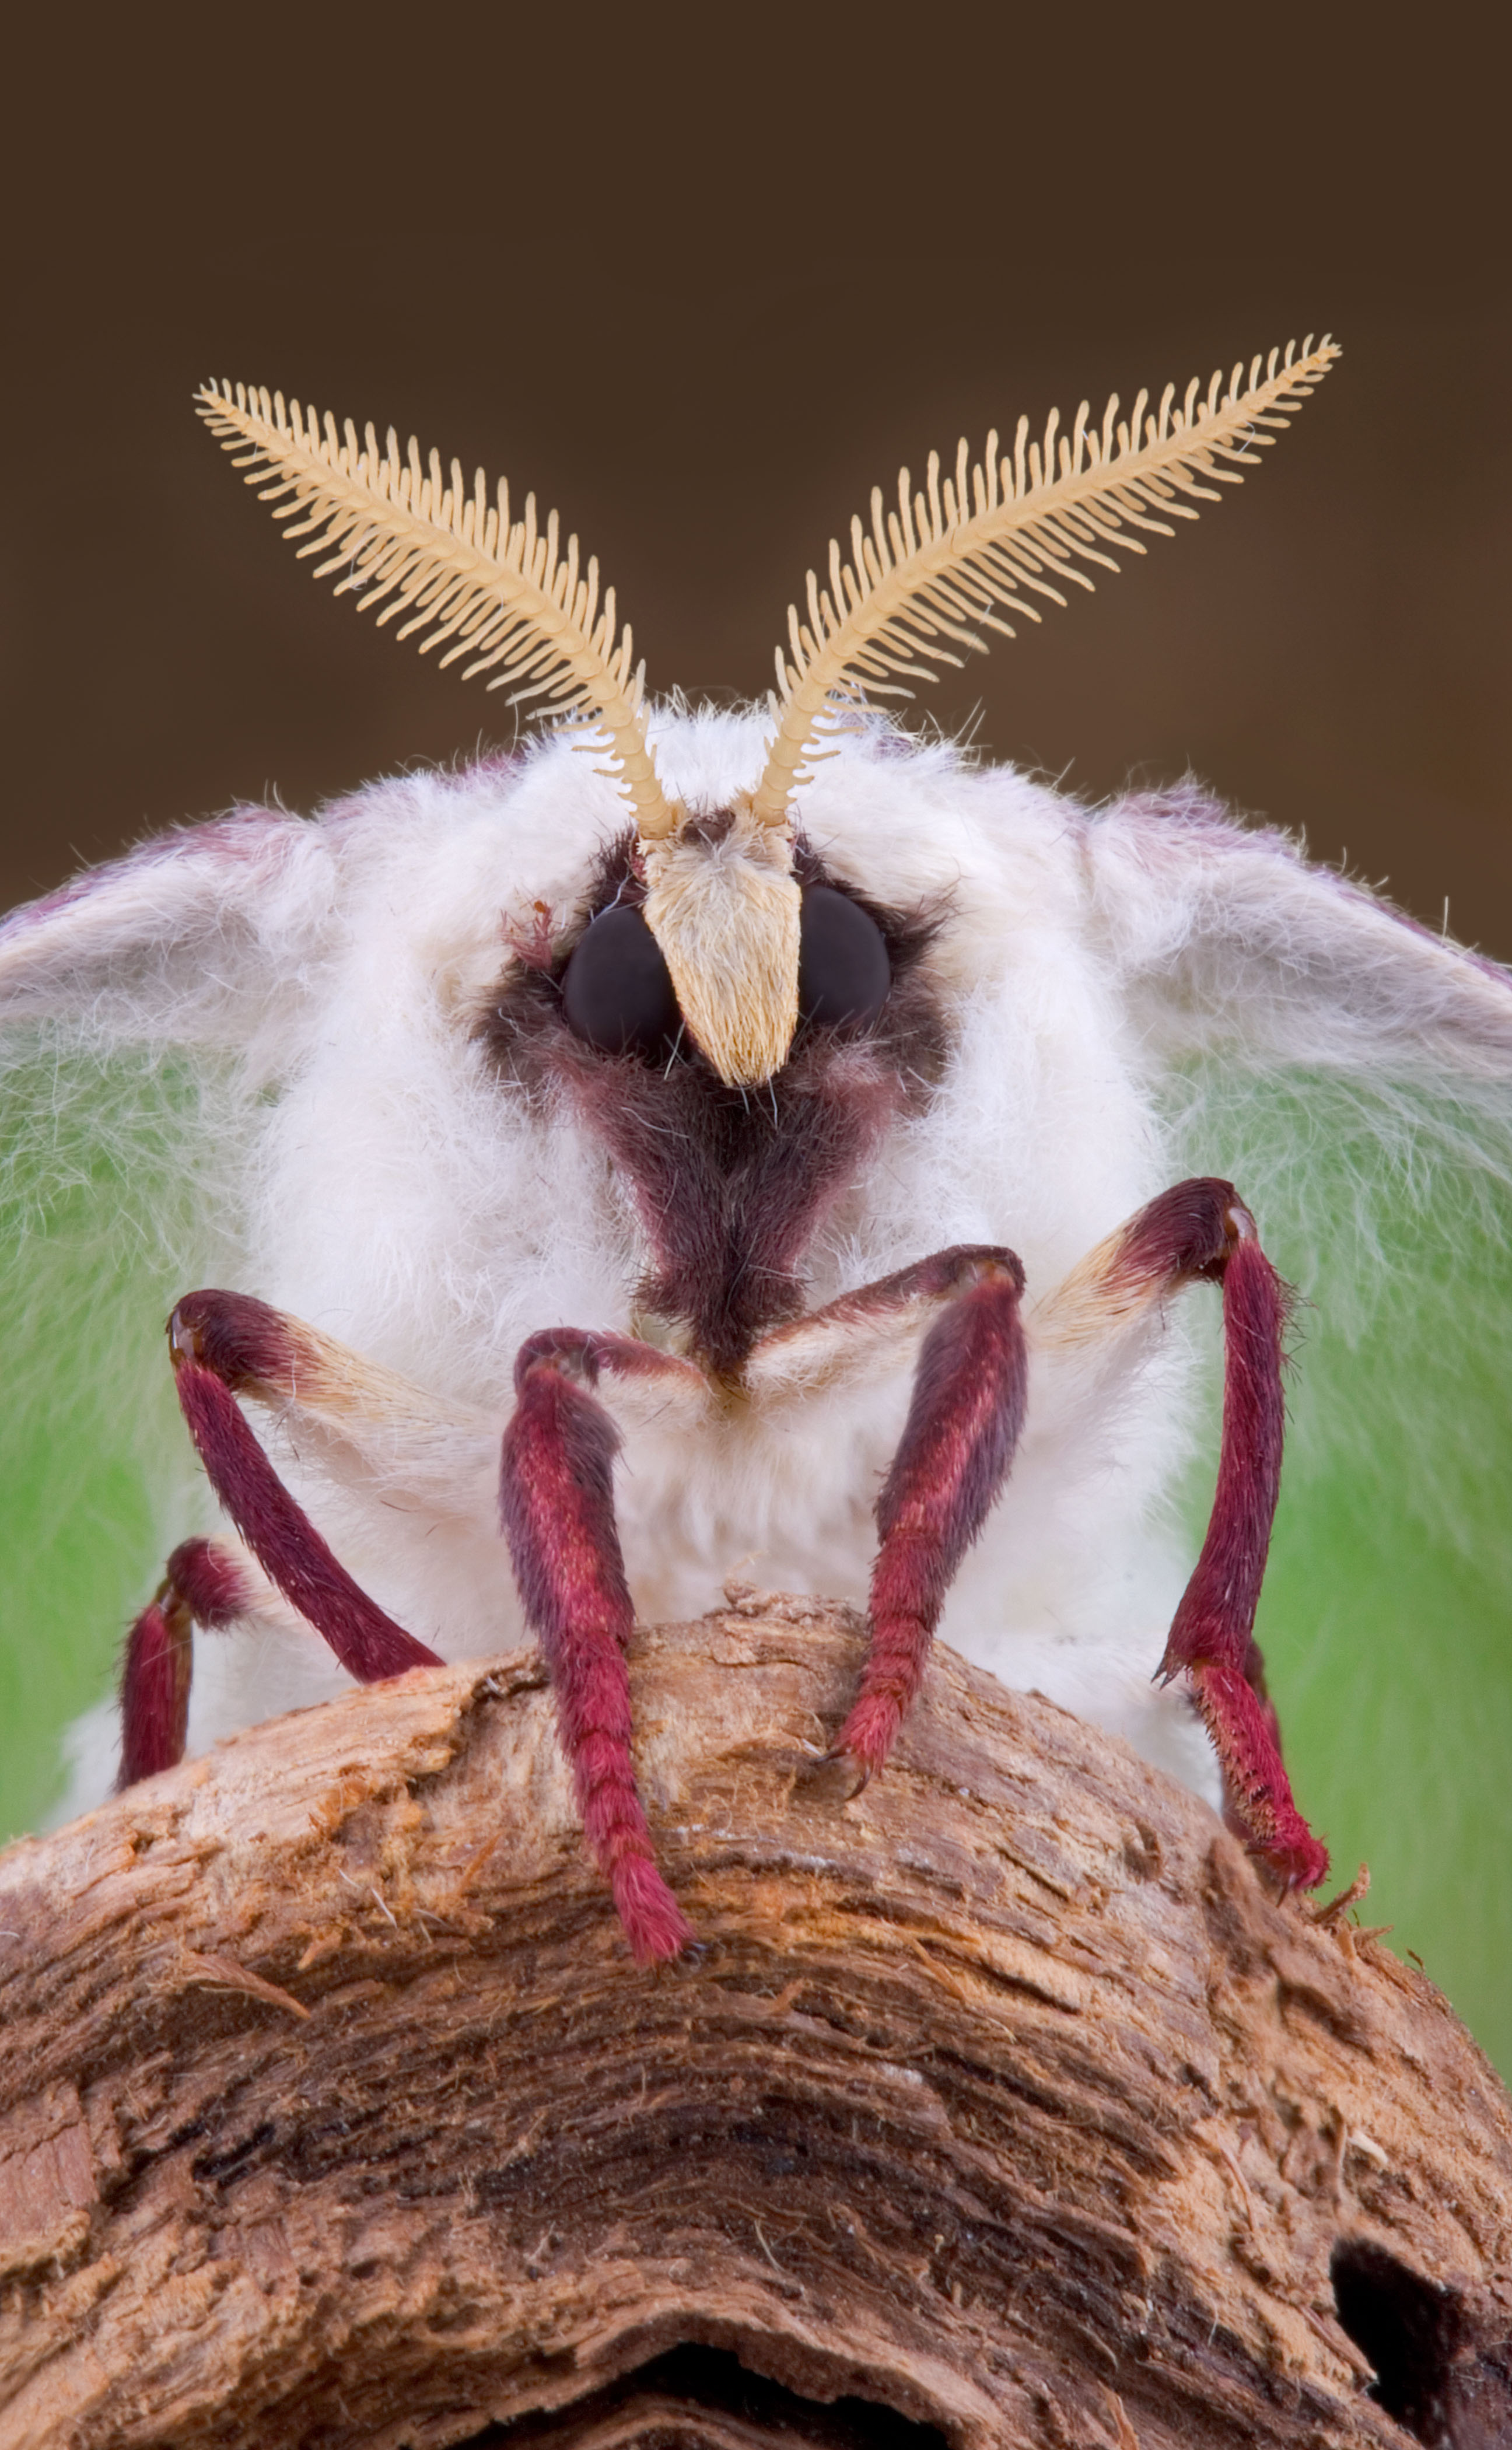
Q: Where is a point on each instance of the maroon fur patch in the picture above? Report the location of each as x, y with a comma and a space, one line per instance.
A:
732, 1189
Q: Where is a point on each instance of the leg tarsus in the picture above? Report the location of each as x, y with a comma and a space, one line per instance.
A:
1258, 1791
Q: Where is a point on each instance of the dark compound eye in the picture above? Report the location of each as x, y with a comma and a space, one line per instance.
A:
843, 973
618, 991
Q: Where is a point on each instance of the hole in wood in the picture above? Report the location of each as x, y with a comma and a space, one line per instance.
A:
1407, 2327
705, 2399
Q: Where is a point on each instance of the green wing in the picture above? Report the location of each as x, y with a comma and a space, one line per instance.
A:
105, 1216
143, 1011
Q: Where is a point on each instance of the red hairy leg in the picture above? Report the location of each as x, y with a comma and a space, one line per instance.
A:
201, 1585
958, 1444
1211, 1634
557, 1507
225, 1345
1201, 1231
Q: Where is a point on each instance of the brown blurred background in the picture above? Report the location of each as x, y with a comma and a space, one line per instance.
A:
700, 278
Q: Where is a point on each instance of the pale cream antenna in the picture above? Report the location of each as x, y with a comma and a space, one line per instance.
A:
723, 907
934, 570
500, 590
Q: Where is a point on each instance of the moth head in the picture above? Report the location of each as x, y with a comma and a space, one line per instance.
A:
925, 581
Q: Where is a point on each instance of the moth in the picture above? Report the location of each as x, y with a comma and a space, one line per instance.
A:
700, 1139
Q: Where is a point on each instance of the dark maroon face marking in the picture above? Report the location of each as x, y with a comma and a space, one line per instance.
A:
731, 1184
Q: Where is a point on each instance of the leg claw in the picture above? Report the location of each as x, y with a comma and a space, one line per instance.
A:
841, 1774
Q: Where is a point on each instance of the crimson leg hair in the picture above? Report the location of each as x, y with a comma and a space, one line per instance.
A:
557, 1507
958, 1444
225, 1345
201, 1585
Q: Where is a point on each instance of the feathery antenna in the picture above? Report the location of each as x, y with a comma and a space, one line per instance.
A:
499, 591
927, 576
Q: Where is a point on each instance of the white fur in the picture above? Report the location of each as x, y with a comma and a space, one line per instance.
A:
365, 1169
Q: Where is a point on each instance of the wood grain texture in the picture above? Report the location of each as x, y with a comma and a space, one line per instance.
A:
1003, 2097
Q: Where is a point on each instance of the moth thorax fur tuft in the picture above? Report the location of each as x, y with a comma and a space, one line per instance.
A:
723, 906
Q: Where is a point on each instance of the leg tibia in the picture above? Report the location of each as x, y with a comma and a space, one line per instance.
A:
209, 1363
1216, 1619
557, 1509
958, 1445
201, 1584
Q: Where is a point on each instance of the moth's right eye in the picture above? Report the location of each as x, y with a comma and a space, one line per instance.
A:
618, 990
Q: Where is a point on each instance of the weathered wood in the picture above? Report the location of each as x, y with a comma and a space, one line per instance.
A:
1003, 2097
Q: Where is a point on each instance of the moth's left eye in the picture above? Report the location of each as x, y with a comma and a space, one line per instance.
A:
845, 976
618, 990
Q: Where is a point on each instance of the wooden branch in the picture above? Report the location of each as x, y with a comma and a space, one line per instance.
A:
1004, 2106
